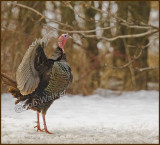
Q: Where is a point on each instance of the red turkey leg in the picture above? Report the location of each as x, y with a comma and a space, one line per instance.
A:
45, 126
38, 123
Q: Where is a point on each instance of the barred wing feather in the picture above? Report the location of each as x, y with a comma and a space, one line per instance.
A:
27, 76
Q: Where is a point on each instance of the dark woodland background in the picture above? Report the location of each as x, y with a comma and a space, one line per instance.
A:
126, 64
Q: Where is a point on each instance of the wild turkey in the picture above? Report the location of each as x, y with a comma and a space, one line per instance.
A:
41, 80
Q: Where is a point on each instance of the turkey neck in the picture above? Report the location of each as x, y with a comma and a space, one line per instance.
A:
59, 55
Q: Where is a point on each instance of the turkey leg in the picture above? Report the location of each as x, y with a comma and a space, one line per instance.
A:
45, 126
38, 123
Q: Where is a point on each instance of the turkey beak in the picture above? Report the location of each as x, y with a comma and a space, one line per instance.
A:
70, 37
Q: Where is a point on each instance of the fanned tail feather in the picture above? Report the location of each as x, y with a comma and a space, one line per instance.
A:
13, 88
8, 81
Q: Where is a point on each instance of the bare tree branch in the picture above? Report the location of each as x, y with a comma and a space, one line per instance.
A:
24, 6
123, 36
89, 36
136, 26
132, 60
67, 4
125, 23
42, 16
79, 31
147, 68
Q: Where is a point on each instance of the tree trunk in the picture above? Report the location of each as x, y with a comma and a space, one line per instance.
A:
136, 12
92, 50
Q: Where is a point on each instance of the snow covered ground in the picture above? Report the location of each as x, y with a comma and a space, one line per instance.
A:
106, 117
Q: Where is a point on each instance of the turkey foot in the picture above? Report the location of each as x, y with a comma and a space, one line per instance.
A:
45, 130
45, 126
38, 127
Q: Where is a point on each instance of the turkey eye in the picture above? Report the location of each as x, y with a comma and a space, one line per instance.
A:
65, 36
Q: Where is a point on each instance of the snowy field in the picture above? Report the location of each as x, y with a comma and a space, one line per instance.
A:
106, 117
